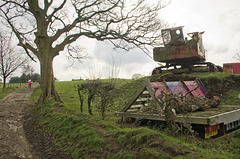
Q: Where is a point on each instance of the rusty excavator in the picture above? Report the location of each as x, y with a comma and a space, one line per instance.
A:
181, 55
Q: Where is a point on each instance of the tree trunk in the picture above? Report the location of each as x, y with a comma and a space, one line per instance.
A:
4, 82
81, 100
47, 83
90, 98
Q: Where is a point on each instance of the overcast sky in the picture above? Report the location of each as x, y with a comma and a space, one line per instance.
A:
218, 18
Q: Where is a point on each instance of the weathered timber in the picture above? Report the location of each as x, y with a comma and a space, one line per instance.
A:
212, 116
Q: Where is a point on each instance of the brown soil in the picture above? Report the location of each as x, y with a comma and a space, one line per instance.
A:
13, 142
20, 136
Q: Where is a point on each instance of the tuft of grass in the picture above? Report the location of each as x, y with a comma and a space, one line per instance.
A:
36, 93
147, 153
216, 75
123, 155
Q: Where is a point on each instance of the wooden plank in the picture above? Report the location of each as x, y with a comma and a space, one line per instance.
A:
144, 99
132, 110
146, 93
134, 98
136, 106
152, 94
139, 106
168, 89
149, 88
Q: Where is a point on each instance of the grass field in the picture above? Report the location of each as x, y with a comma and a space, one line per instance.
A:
88, 136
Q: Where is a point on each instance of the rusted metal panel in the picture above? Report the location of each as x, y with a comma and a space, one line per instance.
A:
179, 50
196, 88
158, 88
171, 54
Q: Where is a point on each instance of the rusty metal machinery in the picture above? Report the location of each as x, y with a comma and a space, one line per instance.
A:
182, 55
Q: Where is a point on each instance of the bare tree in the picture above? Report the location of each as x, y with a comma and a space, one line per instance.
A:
10, 59
46, 27
27, 69
237, 57
136, 76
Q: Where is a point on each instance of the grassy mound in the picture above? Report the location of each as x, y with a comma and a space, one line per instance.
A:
86, 136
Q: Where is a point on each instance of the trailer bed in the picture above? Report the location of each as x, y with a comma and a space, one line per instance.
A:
211, 116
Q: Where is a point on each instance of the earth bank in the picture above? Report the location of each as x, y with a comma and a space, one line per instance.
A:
128, 143
32, 133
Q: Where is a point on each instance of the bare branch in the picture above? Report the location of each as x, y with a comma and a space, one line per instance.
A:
22, 3
17, 32
47, 5
47, 27
237, 57
10, 61
76, 53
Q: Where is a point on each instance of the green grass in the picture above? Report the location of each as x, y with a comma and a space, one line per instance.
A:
10, 88
86, 136
68, 129
232, 97
218, 75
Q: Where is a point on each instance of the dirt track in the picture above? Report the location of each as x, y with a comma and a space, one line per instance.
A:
13, 143
20, 136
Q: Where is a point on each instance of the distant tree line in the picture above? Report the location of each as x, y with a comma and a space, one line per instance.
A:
25, 77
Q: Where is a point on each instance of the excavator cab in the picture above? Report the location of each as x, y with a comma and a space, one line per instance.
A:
173, 36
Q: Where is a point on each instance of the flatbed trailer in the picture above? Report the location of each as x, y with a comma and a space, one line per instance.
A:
225, 117
208, 123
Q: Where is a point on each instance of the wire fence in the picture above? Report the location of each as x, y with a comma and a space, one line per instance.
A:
13, 85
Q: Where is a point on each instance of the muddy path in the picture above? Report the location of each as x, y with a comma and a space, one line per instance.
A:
20, 136
13, 142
